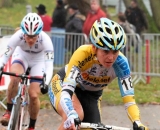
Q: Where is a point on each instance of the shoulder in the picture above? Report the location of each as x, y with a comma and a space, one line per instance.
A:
83, 51
18, 35
101, 12
85, 48
44, 35
44, 38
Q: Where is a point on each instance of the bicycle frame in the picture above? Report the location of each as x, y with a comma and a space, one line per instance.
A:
20, 102
23, 94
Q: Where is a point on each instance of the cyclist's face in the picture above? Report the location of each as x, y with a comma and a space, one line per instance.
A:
106, 58
31, 39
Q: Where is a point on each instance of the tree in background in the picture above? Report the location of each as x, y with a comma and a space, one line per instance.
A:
155, 4
152, 24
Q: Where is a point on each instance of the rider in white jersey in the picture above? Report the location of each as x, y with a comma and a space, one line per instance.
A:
32, 48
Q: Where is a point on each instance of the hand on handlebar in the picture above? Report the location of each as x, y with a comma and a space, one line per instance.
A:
1, 70
137, 125
72, 121
44, 88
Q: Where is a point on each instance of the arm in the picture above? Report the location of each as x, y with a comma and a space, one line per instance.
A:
127, 91
69, 84
49, 58
11, 45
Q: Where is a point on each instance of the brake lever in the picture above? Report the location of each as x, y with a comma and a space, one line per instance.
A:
44, 79
1, 72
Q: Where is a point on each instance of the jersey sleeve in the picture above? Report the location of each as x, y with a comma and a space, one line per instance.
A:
49, 57
123, 73
13, 42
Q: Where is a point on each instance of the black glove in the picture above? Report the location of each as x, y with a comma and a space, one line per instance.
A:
44, 88
139, 126
77, 121
1, 70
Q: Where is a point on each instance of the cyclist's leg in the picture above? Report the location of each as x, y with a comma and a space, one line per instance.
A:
19, 65
34, 92
34, 104
89, 101
54, 95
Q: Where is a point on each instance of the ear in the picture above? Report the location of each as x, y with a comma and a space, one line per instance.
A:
94, 49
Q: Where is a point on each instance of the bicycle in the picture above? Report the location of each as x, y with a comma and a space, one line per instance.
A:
19, 118
99, 126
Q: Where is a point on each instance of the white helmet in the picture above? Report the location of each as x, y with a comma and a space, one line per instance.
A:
32, 24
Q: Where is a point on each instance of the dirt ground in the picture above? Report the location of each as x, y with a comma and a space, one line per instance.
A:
112, 115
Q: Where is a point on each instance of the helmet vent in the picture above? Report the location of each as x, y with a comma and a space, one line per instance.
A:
39, 29
105, 23
108, 30
109, 40
26, 26
120, 28
112, 23
119, 40
101, 29
116, 30
31, 26
101, 42
95, 32
35, 27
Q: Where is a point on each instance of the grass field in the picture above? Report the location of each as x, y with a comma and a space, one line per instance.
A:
144, 93
13, 16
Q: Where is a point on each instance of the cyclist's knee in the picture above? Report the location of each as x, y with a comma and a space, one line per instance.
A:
33, 98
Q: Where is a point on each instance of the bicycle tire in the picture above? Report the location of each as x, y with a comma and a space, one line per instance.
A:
25, 116
16, 113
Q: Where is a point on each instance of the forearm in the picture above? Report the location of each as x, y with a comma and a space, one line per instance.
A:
131, 108
66, 102
49, 72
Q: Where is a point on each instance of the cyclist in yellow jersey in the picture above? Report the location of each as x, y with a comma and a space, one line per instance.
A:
77, 88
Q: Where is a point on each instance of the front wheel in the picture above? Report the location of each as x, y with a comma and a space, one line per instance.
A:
15, 116
24, 117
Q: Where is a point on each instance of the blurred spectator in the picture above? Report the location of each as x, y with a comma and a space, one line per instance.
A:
47, 20
75, 20
128, 27
59, 16
130, 30
136, 17
94, 14
74, 25
58, 32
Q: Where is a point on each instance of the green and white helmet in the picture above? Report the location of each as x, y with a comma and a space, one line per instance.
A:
107, 35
